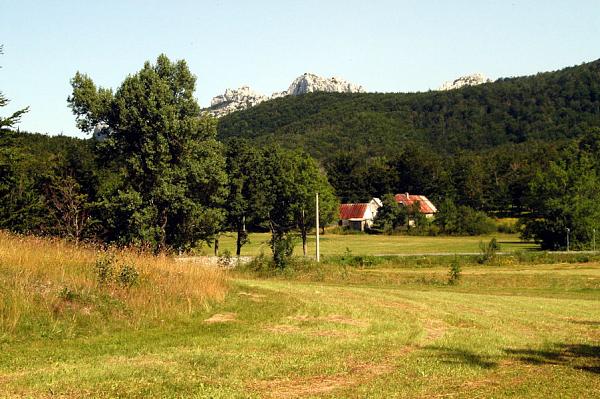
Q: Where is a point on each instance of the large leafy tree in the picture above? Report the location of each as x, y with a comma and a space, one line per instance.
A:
310, 180
248, 200
290, 180
166, 180
566, 196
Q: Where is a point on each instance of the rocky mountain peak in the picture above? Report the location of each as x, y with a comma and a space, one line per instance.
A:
308, 83
467, 80
244, 97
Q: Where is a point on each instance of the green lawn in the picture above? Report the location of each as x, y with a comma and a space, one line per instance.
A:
365, 244
382, 332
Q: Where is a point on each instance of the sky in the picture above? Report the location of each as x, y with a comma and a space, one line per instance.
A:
383, 45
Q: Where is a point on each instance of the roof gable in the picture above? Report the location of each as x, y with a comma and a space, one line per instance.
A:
353, 211
424, 204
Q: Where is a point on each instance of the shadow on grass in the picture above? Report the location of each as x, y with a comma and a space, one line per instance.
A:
580, 356
461, 356
587, 322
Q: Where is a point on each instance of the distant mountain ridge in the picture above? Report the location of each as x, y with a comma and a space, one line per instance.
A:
244, 97
467, 80
547, 106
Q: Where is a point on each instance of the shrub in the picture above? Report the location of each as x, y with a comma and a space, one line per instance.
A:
488, 251
105, 268
454, 272
508, 226
128, 276
260, 264
463, 220
225, 260
347, 259
282, 246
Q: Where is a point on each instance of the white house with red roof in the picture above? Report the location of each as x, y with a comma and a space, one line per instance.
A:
425, 206
359, 216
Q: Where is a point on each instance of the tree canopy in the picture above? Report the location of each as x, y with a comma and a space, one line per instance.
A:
168, 179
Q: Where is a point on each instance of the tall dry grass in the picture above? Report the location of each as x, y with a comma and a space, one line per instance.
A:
51, 287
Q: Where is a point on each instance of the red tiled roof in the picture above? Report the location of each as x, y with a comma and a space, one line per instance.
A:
353, 211
409, 199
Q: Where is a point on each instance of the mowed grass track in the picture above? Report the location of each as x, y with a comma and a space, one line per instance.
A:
366, 244
518, 331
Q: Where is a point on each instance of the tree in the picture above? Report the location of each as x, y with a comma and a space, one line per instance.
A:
247, 201
390, 216
69, 207
462, 220
281, 210
11, 120
566, 196
309, 181
167, 175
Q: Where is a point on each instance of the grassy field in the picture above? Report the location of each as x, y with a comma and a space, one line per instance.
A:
365, 244
518, 330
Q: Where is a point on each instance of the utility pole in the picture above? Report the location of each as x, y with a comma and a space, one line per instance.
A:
317, 228
568, 231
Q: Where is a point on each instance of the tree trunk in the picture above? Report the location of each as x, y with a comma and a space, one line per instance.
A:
217, 246
238, 244
241, 236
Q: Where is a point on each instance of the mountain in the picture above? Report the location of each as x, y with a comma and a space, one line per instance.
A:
243, 98
310, 83
235, 100
467, 80
548, 106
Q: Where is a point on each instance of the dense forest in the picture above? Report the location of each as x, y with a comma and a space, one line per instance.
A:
548, 106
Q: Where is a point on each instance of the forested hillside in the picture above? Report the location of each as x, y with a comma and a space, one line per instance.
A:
547, 106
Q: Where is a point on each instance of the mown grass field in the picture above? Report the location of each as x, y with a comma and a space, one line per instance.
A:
517, 330
366, 244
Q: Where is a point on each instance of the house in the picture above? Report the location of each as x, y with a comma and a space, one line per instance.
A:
426, 207
359, 216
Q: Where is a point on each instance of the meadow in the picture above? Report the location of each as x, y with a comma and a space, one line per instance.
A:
367, 244
505, 329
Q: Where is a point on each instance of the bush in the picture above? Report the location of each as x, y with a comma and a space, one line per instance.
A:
128, 276
488, 251
105, 268
260, 264
463, 220
225, 260
454, 272
282, 246
507, 226
347, 259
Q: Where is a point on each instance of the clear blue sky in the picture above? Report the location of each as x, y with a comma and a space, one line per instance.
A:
384, 45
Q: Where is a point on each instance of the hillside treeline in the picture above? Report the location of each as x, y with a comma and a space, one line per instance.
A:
158, 176
548, 106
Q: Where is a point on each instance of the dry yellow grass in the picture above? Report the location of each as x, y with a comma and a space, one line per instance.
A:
46, 281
